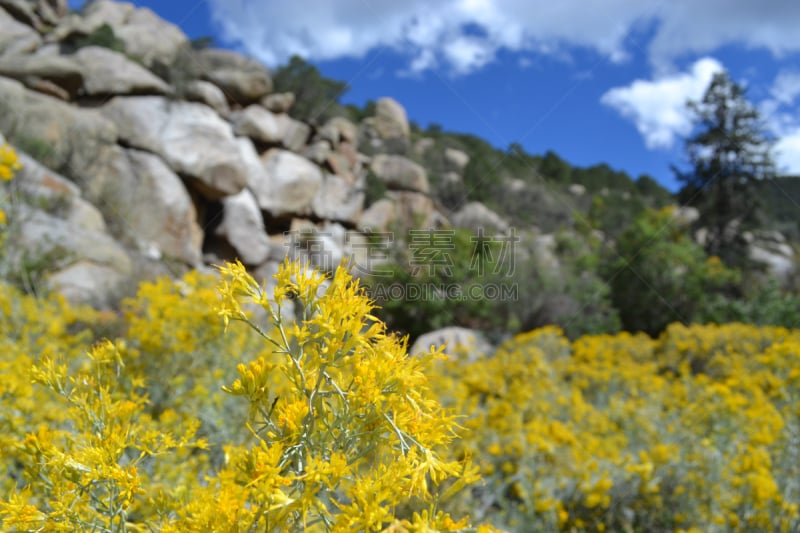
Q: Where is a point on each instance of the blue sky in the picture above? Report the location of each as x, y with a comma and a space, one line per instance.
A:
596, 82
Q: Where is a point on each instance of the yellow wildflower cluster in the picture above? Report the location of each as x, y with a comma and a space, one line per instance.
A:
698, 429
9, 165
326, 424
348, 431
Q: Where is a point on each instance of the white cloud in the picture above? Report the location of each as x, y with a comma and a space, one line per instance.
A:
466, 54
783, 119
658, 107
786, 87
787, 152
464, 35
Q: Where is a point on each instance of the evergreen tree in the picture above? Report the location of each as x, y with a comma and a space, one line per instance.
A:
730, 154
316, 97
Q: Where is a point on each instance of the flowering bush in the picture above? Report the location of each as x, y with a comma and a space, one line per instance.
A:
339, 431
9, 164
326, 424
699, 429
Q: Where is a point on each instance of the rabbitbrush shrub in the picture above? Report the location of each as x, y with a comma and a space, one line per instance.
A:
325, 424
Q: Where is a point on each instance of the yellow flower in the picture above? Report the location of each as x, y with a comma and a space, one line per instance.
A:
9, 163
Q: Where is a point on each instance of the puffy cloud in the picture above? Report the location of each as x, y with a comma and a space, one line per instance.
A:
658, 107
464, 35
786, 87
787, 152
783, 120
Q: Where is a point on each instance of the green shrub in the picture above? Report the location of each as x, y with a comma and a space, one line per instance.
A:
103, 36
659, 275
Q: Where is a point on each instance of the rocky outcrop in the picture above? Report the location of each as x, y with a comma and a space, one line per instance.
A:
163, 155
23, 11
60, 72
456, 160
243, 80
400, 173
686, 215
287, 185
190, 137
56, 195
338, 199
243, 228
79, 143
135, 27
460, 343
165, 221
259, 124
106, 73
399, 212
770, 249
390, 119
16, 37
208, 94
321, 246
278, 102
476, 217
86, 265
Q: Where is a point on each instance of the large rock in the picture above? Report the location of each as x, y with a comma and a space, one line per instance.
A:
686, 215
338, 199
270, 128
16, 37
320, 246
106, 72
242, 79
400, 173
190, 137
165, 218
544, 251
63, 72
770, 249
78, 143
378, 217
73, 253
576, 189
477, 217
400, 211
288, 184
22, 10
296, 133
209, 94
51, 11
278, 102
55, 194
318, 152
90, 283
456, 160
461, 343
338, 130
243, 228
390, 120
147, 37
142, 202
259, 124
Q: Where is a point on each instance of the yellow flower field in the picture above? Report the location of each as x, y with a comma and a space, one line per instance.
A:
204, 405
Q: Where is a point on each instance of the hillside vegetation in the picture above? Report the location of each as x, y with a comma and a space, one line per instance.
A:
327, 424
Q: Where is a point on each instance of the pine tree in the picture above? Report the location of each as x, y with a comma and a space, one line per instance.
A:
730, 155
